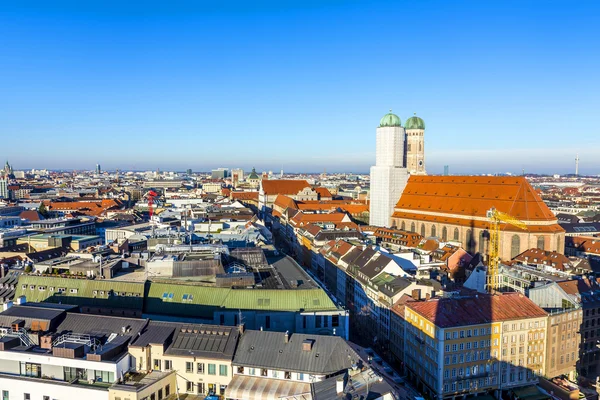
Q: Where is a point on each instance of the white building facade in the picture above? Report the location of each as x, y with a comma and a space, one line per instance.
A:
389, 175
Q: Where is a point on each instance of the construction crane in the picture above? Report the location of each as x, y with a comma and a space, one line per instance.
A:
151, 195
496, 218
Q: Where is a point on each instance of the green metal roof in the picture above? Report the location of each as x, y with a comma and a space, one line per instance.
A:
390, 120
82, 292
253, 174
414, 122
165, 298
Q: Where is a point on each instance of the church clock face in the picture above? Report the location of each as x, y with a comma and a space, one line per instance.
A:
420, 163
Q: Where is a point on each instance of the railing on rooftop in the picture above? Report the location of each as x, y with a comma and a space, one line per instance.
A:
19, 333
77, 338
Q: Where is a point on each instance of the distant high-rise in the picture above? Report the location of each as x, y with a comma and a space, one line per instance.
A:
388, 175
446, 170
220, 173
239, 172
577, 165
4, 189
98, 169
189, 171
415, 145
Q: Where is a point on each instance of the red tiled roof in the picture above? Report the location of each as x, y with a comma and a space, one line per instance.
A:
473, 196
323, 192
283, 186
544, 257
244, 196
584, 244
451, 312
92, 208
466, 221
30, 215
578, 286
301, 219
284, 202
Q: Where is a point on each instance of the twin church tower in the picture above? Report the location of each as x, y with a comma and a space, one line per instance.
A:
400, 152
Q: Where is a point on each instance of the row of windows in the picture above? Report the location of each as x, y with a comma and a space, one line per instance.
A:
468, 345
200, 368
465, 358
522, 325
469, 333
274, 373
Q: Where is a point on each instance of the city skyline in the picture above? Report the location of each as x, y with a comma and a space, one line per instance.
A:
275, 85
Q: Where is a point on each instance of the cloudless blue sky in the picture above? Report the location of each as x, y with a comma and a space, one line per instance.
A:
501, 85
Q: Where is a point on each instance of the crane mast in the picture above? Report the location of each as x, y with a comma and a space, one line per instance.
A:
496, 218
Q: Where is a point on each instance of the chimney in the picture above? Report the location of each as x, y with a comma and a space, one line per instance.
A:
339, 385
7, 305
307, 345
427, 296
46, 342
416, 294
241, 328
286, 337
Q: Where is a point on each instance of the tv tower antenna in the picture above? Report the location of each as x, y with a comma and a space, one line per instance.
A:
577, 165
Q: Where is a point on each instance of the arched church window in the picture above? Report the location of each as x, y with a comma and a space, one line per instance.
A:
433, 232
455, 234
403, 226
409, 147
423, 230
515, 246
420, 146
540, 242
412, 227
444, 234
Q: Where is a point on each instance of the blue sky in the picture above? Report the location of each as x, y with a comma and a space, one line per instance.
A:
502, 85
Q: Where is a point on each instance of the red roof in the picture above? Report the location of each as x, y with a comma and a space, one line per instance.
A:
480, 309
323, 192
544, 257
584, 244
30, 215
578, 286
470, 196
92, 208
284, 202
283, 186
244, 196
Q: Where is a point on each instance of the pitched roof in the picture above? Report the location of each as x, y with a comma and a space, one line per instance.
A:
544, 257
30, 215
578, 286
284, 202
283, 186
480, 309
263, 349
465, 197
322, 191
91, 208
244, 195
583, 244
301, 219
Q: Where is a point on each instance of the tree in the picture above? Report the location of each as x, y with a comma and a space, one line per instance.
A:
43, 211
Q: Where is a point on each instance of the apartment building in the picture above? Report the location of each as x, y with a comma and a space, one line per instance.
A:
468, 345
201, 354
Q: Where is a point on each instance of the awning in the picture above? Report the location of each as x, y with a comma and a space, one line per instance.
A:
257, 388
